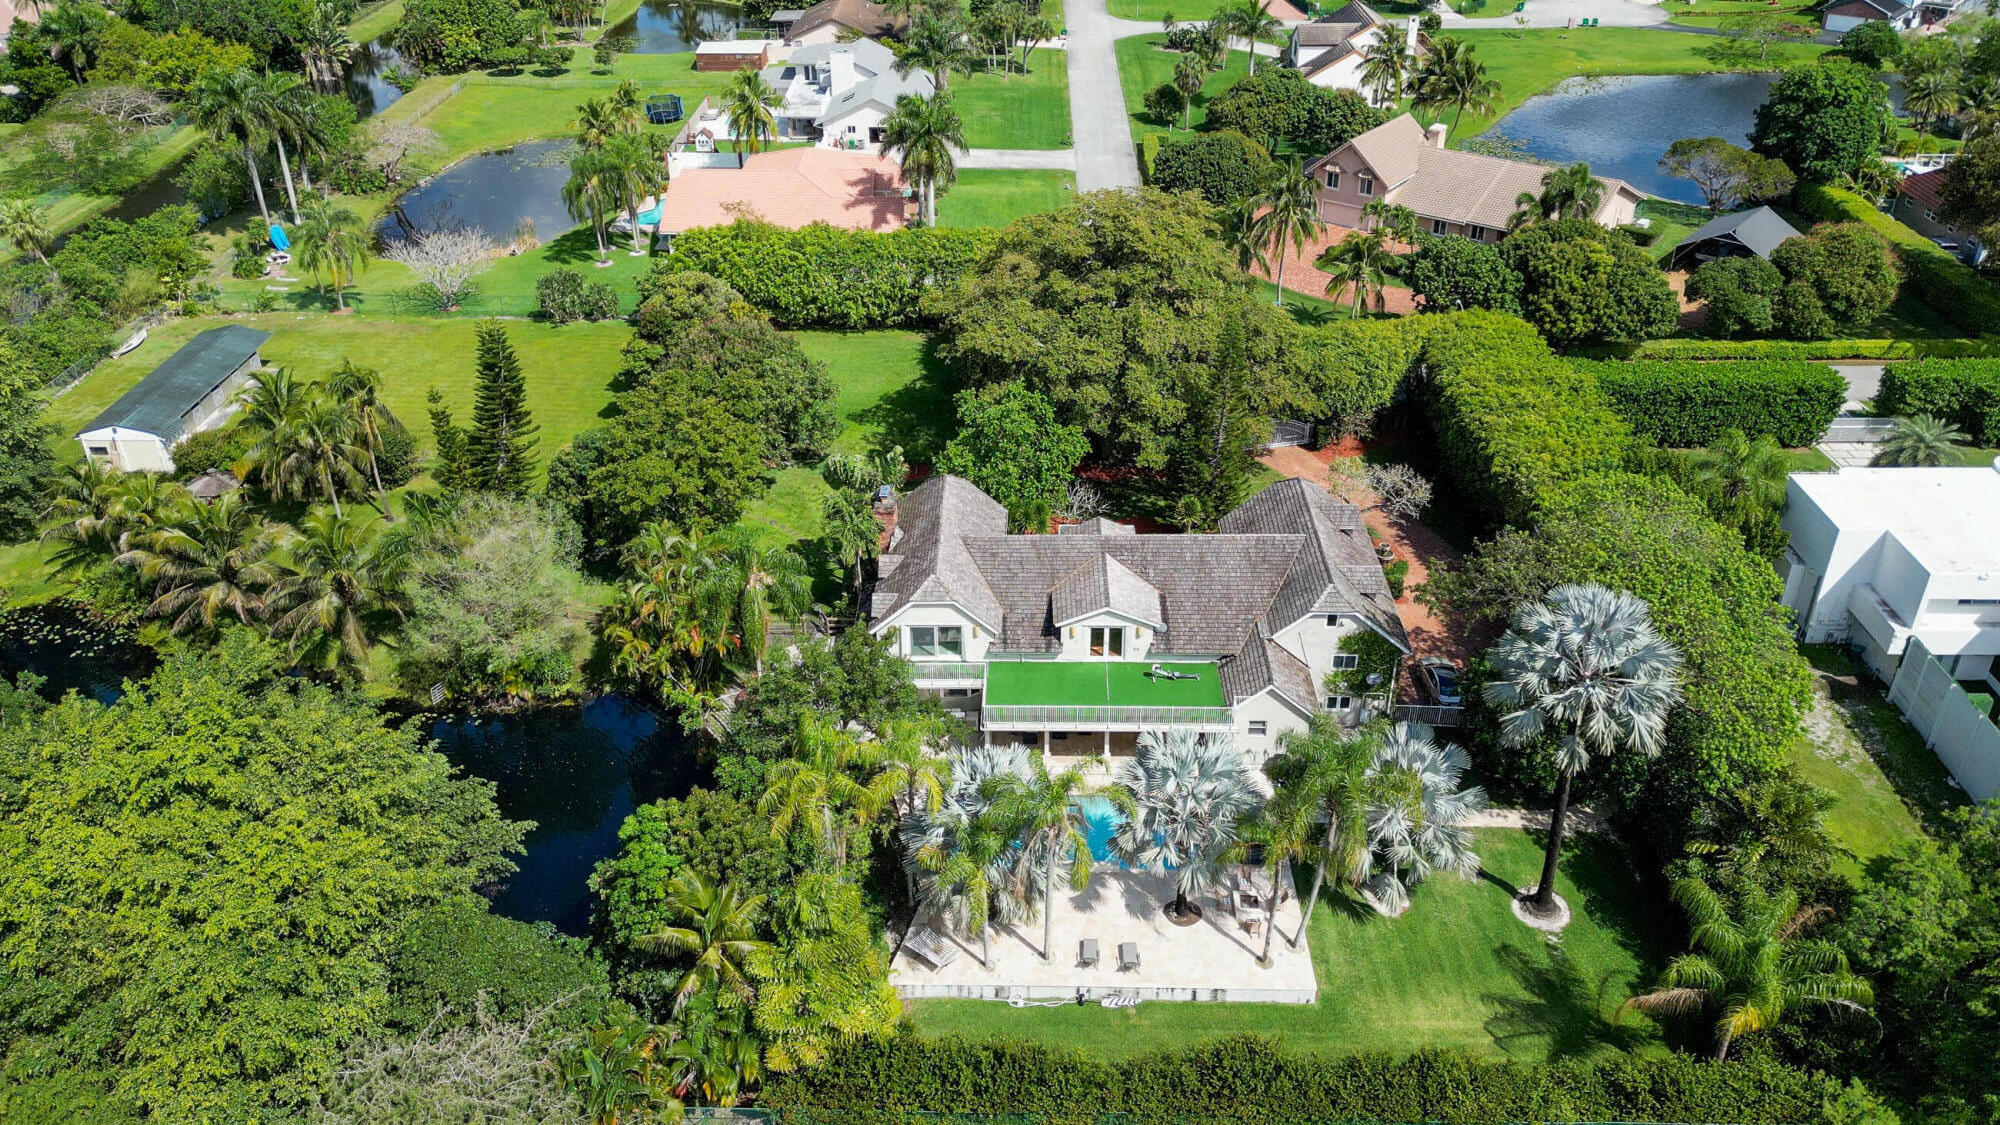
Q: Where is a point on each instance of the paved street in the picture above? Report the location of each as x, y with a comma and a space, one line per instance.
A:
1104, 154
1863, 381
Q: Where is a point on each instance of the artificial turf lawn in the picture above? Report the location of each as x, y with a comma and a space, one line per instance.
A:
1100, 683
1456, 971
994, 197
1016, 110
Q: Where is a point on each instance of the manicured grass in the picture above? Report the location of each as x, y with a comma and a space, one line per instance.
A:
72, 205
1456, 971
994, 197
1016, 110
1143, 64
1715, 13
1116, 683
1670, 222
373, 21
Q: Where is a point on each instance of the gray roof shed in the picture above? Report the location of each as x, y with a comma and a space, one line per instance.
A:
1757, 231
156, 406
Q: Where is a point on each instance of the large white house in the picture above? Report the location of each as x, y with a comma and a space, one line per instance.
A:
839, 93
1329, 51
188, 393
1079, 641
1879, 556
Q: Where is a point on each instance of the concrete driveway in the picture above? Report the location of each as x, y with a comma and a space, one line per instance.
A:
1049, 159
1104, 153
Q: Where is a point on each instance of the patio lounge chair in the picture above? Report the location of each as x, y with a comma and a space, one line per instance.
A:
1128, 954
1086, 952
932, 947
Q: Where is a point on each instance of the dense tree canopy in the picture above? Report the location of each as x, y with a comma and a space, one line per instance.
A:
1449, 273
1823, 120
1223, 166
25, 457
1971, 192
1282, 109
449, 36
1010, 445
1838, 278
1581, 282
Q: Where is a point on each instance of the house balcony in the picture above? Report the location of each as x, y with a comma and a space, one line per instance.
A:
942, 675
1101, 695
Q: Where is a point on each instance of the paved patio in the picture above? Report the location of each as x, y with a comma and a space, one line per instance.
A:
1214, 959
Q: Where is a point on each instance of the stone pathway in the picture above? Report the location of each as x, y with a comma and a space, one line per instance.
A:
1864, 380
1579, 819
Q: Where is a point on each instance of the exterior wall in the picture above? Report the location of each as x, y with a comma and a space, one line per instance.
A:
824, 33
1618, 210
916, 990
1834, 557
1924, 221
1342, 205
1277, 719
852, 131
1345, 74
977, 639
712, 60
1076, 637
128, 451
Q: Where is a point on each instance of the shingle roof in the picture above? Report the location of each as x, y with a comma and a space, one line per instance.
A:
926, 560
864, 16
1341, 575
882, 90
1097, 525
1760, 230
1354, 12
1100, 584
176, 386
869, 55
1263, 663
1322, 33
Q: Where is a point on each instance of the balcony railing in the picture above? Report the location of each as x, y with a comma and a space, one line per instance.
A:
949, 673
1024, 716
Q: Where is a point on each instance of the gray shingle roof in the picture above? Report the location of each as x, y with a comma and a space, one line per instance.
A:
882, 90
1097, 525
1263, 663
1759, 230
927, 561
176, 386
1341, 576
1103, 583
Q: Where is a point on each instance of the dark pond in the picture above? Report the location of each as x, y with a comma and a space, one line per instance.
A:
367, 87
491, 192
72, 651
667, 27
577, 772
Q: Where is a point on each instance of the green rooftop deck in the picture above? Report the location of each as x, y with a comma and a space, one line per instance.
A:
1108, 694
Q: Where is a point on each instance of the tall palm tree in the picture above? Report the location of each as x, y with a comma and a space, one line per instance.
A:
1185, 794
361, 389
283, 103
25, 227
1253, 23
1740, 469
922, 132
905, 765
206, 560
591, 195
228, 105
718, 925
1359, 265
1417, 811
1322, 775
96, 513
330, 237
1569, 192
1920, 440
599, 120
1190, 75
1450, 78
1754, 967
762, 584
636, 170
936, 43
817, 786
747, 101
320, 449
1288, 219
959, 850
1587, 664
324, 46
1385, 67
345, 573
1041, 811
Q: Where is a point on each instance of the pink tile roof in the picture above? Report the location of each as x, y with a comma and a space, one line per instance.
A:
1924, 187
791, 187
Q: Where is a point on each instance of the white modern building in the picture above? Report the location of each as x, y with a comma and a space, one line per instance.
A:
1879, 556
838, 94
190, 392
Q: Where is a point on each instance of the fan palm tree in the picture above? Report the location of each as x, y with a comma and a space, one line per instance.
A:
1185, 794
1742, 470
816, 786
330, 237
228, 105
1385, 68
718, 925
1753, 967
1359, 265
923, 132
747, 101
25, 227
958, 851
1041, 810
1921, 440
361, 389
1588, 664
936, 43
1417, 812
1450, 78
591, 195
1190, 75
345, 573
1323, 775
207, 560
1288, 217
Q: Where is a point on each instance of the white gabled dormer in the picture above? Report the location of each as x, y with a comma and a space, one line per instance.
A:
1103, 611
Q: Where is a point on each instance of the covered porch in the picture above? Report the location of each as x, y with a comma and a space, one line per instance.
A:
1086, 715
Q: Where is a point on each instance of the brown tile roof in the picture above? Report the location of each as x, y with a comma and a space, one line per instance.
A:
792, 187
1924, 187
864, 16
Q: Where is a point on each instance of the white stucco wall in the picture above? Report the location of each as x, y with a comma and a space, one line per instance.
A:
852, 128
1277, 719
1076, 637
129, 451
976, 637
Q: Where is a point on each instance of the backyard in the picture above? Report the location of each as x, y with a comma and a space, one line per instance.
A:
1144, 63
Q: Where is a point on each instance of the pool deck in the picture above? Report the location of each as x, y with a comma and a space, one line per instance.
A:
1214, 960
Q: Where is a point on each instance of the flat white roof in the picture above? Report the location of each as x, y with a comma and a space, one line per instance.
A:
732, 46
1948, 518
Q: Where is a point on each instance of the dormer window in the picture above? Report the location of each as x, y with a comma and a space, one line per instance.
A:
936, 642
1107, 641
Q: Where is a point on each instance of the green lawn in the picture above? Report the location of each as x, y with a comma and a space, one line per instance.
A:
1671, 222
994, 197
1456, 971
1143, 64
1114, 683
373, 21
1016, 110
1714, 13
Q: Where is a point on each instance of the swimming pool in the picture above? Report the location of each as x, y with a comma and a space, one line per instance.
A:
1100, 819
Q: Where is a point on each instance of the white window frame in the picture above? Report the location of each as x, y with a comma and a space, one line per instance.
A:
1476, 234
935, 647
1437, 226
1259, 728
1333, 179
1106, 642
1365, 184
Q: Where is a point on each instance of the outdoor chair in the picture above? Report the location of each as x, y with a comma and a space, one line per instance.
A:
1128, 954
1086, 952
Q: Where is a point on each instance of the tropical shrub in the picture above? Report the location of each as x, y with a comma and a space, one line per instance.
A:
1010, 445
1449, 272
1739, 294
27, 458
1580, 282
1685, 404
564, 294
1223, 166
1964, 392
454, 961
208, 450
1837, 278
1823, 119
1353, 367
451, 36
1950, 287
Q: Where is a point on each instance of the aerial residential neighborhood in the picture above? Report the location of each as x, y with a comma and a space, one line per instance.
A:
1111, 562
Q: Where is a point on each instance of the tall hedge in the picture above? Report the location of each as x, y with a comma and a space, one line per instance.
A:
1684, 404
1966, 392
1512, 420
1357, 365
823, 277
1252, 1079
1941, 281
1689, 347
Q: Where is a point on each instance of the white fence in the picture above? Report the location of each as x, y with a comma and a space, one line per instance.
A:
1966, 741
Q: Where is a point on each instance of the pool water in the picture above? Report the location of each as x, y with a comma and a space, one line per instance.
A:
1101, 819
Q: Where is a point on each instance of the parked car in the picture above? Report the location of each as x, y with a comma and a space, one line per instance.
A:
1441, 678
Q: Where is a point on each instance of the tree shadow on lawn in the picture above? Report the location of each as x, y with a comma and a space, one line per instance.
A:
1560, 1004
577, 247
920, 415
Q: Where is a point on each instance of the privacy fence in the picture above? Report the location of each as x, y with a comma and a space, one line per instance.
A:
1965, 739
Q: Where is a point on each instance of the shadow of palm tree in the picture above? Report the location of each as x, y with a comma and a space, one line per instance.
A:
1559, 1005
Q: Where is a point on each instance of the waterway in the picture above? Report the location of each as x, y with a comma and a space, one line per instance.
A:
671, 27
493, 192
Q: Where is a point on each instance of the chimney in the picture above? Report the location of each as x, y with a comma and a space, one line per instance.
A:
1436, 135
1410, 39
840, 67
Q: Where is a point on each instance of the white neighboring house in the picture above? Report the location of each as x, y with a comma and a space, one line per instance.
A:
1329, 51
837, 94
187, 394
1846, 15
1879, 556
1079, 641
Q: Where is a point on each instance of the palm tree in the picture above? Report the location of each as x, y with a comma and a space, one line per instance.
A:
1323, 776
717, 1057
303, 437
207, 559
1385, 67
1930, 96
1754, 967
1190, 75
614, 1073
852, 533
816, 786
1288, 202
73, 28
747, 101
905, 765
361, 389
635, 170
344, 574
591, 195
1394, 220
1450, 78
96, 513
1041, 810
760, 584
922, 132
1417, 812
959, 850
229, 106
330, 237
1253, 23
283, 103
1740, 469
1921, 440
324, 46
1570, 192
718, 925
936, 43
1587, 663
1359, 264
25, 227
601, 119
1186, 793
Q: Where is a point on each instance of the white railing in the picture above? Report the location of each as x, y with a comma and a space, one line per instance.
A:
1961, 735
1030, 715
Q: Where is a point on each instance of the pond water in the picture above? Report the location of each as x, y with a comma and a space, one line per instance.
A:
577, 772
491, 192
669, 27
72, 650
370, 92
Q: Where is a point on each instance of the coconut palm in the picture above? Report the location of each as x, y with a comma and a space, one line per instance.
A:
345, 574
636, 170
1753, 966
96, 513
747, 101
1920, 440
1359, 265
591, 194
1450, 78
936, 43
1394, 220
1041, 810
330, 237
718, 925
207, 560
321, 449
1323, 775
228, 105
1417, 812
599, 120
1743, 470
1253, 23
1186, 794
1587, 664
25, 227
1190, 75
361, 389
1569, 192
816, 786
1385, 67
73, 28
324, 46
922, 133
1930, 96
1287, 203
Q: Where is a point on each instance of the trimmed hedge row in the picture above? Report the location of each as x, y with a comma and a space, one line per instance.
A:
1512, 420
1683, 404
1941, 281
1252, 1079
823, 277
1690, 348
1964, 391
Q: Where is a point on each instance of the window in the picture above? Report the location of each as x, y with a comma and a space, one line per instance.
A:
1930, 216
1107, 641
1437, 226
1345, 661
1333, 621
937, 642
1258, 727
956, 693
1979, 601
1338, 702
1477, 234
1367, 184
99, 451
1333, 179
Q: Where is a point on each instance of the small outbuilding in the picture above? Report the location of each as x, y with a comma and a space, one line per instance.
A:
187, 394
1757, 231
733, 54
